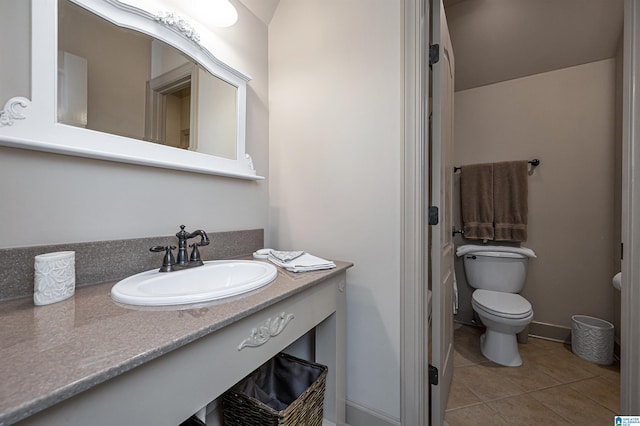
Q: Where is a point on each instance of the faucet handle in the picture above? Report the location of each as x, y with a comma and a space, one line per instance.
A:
168, 261
195, 253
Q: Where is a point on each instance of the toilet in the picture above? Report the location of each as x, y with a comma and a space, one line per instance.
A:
498, 274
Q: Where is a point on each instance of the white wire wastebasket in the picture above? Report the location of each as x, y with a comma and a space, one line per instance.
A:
592, 339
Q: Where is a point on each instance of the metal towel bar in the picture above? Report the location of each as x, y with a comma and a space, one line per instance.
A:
535, 162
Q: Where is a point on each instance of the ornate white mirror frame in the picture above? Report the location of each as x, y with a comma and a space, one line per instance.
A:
32, 123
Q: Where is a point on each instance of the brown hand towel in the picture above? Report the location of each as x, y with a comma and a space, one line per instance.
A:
476, 199
510, 193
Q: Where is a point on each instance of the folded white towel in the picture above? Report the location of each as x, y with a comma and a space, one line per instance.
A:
286, 256
304, 263
470, 248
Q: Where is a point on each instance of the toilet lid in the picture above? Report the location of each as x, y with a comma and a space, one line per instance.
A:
505, 305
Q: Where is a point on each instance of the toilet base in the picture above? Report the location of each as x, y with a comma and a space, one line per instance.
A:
501, 348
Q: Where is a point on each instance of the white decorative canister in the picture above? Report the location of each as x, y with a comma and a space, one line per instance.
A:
55, 277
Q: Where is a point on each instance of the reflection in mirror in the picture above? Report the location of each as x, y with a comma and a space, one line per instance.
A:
168, 107
14, 51
122, 82
221, 137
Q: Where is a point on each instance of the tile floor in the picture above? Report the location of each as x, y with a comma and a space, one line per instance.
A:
552, 387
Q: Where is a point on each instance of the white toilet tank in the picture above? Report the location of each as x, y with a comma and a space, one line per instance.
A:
501, 269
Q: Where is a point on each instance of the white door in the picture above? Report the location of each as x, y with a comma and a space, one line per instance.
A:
441, 196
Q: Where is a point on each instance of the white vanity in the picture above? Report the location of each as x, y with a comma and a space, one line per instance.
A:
89, 361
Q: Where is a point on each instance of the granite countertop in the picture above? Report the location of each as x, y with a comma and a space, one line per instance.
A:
51, 353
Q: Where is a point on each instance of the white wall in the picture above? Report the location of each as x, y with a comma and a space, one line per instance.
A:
566, 118
335, 147
49, 198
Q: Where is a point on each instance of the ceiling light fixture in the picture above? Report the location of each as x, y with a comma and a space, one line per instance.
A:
218, 13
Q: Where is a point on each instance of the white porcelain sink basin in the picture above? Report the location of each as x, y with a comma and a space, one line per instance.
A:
214, 280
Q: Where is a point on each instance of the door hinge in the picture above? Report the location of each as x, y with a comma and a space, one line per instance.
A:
433, 375
433, 215
434, 54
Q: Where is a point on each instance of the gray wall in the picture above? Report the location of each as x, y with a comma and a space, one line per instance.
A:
566, 118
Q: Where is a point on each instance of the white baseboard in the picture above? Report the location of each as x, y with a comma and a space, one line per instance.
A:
553, 332
358, 415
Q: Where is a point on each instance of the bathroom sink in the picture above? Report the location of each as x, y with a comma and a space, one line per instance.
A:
214, 280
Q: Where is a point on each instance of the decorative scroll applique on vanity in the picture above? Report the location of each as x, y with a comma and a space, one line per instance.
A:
271, 328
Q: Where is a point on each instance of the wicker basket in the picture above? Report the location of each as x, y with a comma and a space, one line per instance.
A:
592, 339
301, 383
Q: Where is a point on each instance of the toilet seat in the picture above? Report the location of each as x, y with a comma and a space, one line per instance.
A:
505, 305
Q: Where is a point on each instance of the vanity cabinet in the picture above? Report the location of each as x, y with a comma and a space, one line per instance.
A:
169, 388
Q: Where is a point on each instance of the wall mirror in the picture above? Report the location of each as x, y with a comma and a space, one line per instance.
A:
115, 82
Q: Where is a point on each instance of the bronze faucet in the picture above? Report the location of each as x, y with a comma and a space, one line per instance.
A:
170, 264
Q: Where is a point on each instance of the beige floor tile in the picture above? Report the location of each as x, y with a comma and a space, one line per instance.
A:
475, 415
467, 334
461, 396
460, 329
611, 372
553, 386
561, 364
573, 406
535, 344
601, 390
467, 353
487, 381
529, 376
523, 410
466, 344
594, 369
